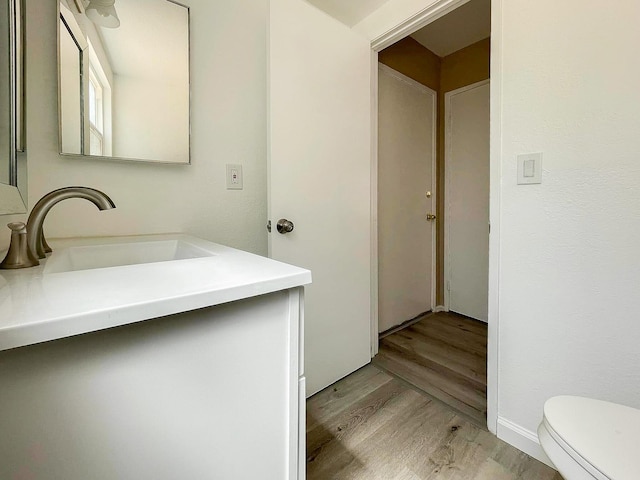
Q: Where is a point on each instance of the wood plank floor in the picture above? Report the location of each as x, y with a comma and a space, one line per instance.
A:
444, 355
373, 426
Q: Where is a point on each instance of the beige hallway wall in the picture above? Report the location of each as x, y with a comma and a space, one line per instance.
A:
413, 60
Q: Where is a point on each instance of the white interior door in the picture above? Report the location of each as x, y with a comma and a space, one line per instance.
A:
467, 200
406, 153
319, 166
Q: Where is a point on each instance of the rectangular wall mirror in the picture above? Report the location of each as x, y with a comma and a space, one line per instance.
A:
124, 80
13, 182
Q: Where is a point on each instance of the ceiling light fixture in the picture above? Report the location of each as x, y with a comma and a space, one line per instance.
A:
103, 13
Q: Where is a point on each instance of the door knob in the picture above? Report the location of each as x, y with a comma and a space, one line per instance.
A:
431, 217
284, 226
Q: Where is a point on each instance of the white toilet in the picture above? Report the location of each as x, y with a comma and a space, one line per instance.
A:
587, 439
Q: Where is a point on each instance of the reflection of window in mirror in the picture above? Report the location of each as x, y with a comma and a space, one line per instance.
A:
99, 107
95, 115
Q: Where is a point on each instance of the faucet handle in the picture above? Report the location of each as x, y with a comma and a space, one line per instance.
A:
19, 227
18, 255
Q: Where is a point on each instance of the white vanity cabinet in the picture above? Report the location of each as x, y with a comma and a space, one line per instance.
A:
214, 390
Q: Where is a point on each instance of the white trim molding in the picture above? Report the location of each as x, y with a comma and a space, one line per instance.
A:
495, 181
430, 13
408, 80
522, 439
375, 340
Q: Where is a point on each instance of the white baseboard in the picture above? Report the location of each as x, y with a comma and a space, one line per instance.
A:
439, 308
523, 439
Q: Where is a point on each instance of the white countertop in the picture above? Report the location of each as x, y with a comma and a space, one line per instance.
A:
36, 306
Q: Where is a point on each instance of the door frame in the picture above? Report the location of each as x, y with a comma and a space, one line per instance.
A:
447, 180
430, 12
434, 186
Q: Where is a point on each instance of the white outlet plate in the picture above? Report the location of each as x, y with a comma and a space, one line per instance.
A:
530, 169
234, 176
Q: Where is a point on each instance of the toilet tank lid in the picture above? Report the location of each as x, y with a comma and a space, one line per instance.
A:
604, 434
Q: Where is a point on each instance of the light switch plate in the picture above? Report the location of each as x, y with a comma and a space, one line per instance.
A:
234, 177
529, 168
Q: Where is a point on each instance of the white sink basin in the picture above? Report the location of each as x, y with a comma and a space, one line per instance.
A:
90, 257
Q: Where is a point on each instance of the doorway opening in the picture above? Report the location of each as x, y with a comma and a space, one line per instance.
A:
433, 229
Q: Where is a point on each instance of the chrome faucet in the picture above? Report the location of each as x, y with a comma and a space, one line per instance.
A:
36, 242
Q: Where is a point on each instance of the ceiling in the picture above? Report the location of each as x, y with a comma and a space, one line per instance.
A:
464, 26
151, 42
348, 12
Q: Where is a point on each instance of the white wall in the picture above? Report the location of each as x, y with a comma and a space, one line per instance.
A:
569, 261
570, 265
228, 126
